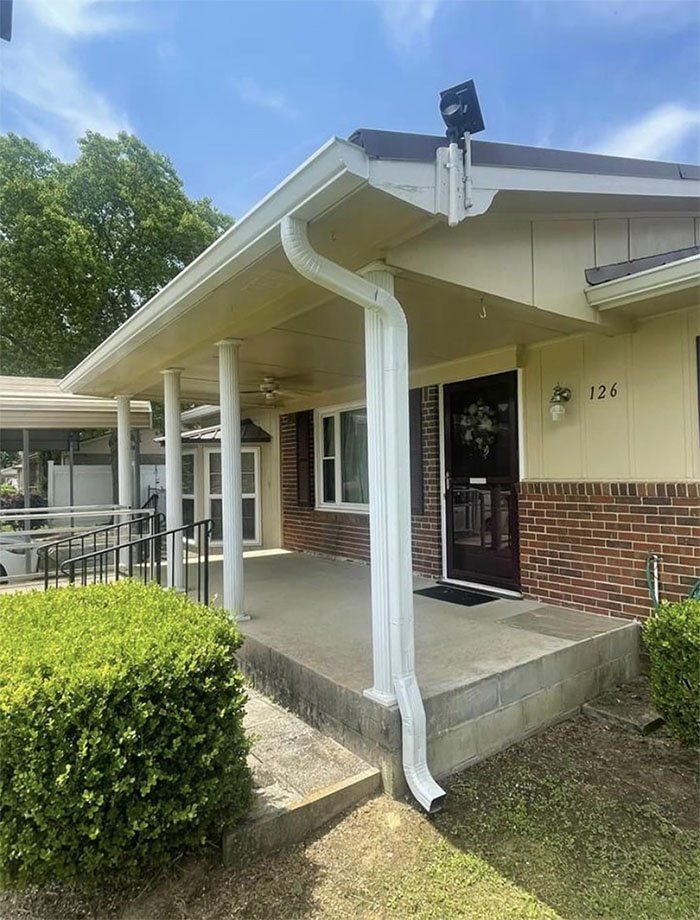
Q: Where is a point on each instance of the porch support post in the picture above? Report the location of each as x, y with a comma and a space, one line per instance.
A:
124, 451
124, 469
173, 475
388, 412
26, 491
231, 500
382, 689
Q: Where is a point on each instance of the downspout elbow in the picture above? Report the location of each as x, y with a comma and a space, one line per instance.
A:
341, 281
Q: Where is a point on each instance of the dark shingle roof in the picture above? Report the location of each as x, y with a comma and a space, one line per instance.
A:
621, 269
396, 145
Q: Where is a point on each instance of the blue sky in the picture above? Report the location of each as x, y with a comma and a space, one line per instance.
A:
238, 93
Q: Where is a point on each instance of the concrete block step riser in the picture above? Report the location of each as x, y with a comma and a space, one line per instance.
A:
297, 822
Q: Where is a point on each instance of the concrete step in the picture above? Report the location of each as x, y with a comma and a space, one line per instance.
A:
627, 707
303, 780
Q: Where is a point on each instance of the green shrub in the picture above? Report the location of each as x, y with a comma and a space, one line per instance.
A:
672, 638
121, 736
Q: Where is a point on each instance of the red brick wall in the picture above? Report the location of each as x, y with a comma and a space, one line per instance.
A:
337, 533
585, 544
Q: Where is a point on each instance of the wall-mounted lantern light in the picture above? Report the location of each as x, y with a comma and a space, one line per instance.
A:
557, 403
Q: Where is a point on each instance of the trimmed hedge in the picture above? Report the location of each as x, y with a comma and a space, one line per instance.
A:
121, 735
672, 638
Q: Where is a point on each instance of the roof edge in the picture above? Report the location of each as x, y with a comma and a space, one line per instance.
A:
400, 145
259, 226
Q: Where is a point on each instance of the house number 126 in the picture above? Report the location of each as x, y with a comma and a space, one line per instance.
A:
602, 391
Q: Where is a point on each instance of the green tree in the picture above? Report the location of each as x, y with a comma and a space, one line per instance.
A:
83, 245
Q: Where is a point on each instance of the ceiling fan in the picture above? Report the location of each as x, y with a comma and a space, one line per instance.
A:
270, 390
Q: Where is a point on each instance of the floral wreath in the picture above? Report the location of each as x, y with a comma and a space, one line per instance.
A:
477, 427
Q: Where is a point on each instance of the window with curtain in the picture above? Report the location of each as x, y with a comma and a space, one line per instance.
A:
341, 458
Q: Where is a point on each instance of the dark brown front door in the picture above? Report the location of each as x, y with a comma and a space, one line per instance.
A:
481, 472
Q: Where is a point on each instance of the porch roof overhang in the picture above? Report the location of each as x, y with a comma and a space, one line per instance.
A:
39, 405
669, 286
358, 206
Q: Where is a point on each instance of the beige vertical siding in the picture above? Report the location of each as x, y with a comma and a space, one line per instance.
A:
271, 523
539, 260
649, 431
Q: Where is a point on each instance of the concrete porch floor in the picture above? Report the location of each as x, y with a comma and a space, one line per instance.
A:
489, 674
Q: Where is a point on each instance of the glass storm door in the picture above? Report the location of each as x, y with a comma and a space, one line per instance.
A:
481, 472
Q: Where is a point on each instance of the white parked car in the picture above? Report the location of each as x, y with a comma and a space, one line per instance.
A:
13, 553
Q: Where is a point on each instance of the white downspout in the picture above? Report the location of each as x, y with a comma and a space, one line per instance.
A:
393, 404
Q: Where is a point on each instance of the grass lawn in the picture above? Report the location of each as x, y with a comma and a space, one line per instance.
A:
579, 822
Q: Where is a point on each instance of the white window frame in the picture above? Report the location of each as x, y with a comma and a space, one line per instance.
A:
209, 495
190, 495
338, 504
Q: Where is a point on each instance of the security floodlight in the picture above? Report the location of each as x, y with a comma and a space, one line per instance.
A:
460, 110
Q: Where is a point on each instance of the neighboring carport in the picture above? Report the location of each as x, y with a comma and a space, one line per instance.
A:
35, 414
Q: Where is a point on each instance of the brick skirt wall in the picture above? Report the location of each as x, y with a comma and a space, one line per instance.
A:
585, 544
338, 533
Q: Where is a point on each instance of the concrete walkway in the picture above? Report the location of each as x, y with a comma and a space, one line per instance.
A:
303, 779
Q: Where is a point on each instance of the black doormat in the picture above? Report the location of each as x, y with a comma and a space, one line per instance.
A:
456, 595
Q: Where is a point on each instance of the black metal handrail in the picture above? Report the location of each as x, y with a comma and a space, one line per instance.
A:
96, 565
143, 517
151, 502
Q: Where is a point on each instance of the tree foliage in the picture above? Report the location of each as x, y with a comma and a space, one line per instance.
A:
83, 245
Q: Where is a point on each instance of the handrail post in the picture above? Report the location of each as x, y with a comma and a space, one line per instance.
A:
205, 527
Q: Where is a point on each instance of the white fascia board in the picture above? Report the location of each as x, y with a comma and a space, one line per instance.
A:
654, 282
55, 414
199, 412
333, 172
503, 178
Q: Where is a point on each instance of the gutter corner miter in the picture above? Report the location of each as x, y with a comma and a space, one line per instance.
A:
393, 421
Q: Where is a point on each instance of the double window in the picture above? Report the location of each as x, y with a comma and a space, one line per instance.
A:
210, 501
341, 458
250, 475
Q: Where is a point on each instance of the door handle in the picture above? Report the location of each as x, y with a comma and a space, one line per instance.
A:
448, 481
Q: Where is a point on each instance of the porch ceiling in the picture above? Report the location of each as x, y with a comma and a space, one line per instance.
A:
262, 298
321, 350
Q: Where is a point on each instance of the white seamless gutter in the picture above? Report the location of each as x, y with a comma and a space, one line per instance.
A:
332, 172
391, 405
662, 279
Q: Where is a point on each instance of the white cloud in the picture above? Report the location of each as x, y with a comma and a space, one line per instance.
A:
53, 102
60, 102
251, 92
78, 18
408, 22
656, 135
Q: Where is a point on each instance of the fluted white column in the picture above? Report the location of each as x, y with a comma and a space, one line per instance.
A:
173, 475
231, 501
383, 686
124, 451
124, 478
